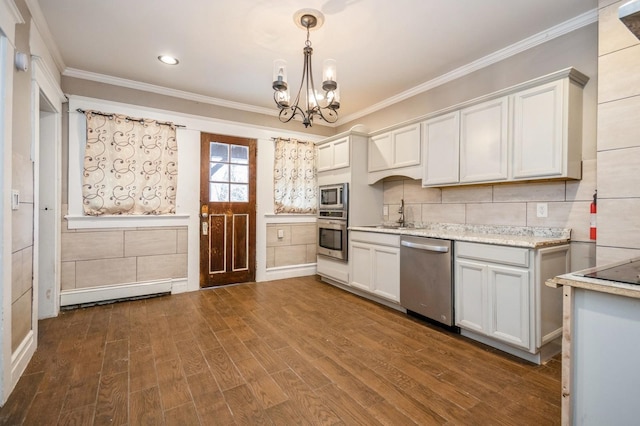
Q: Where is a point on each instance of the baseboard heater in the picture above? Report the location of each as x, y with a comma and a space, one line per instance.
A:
107, 294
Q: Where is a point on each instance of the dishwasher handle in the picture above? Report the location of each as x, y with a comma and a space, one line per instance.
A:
427, 247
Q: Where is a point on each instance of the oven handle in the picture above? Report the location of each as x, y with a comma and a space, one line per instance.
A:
439, 249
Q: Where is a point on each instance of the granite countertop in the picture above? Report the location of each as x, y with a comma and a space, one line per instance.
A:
516, 236
578, 280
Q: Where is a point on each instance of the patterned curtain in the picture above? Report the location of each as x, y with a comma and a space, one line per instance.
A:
295, 185
130, 166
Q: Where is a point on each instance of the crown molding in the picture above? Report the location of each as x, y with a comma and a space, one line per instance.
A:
9, 16
41, 24
161, 90
566, 27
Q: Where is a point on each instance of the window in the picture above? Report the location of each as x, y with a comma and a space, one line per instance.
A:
295, 177
228, 173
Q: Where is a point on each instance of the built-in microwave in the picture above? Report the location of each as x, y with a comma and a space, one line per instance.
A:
333, 197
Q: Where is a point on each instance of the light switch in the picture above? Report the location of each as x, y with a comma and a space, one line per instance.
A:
15, 199
385, 210
280, 234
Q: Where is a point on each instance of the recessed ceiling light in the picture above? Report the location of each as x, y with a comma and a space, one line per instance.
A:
169, 60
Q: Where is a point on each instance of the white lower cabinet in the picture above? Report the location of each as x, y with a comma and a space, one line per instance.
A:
500, 296
375, 264
494, 300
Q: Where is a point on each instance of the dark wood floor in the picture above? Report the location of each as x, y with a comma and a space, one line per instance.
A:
290, 352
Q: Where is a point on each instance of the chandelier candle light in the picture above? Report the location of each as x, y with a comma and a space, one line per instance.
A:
312, 107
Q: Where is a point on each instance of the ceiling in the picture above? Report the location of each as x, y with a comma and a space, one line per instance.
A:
383, 48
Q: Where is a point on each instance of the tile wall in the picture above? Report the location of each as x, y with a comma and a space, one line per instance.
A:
618, 148
296, 246
503, 204
100, 257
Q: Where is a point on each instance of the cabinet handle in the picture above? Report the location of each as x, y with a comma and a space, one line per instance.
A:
439, 249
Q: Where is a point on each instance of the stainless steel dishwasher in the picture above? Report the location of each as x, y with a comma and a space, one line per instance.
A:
426, 284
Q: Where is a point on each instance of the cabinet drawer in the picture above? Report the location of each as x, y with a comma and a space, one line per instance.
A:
376, 238
516, 256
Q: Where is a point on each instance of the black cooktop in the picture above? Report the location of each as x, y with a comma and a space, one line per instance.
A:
628, 273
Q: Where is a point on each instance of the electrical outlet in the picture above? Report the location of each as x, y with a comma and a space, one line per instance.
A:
542, 210
385, 210
280, 234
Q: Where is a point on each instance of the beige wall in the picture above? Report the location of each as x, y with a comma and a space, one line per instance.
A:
102, 257
22, 180
297, 246
577, 49
506, 204
618, 142
79, 87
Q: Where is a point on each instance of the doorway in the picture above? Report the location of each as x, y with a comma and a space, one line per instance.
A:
48, 212
227, 210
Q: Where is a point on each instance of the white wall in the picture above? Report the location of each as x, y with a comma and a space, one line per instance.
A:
187, 203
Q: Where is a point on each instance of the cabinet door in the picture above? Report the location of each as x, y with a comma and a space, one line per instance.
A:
509, 305
334, 155
386, 272
537, 135
380, 152
325, 157
341, 153
484, 141
471, 297
361, 270
406, 146
441, 150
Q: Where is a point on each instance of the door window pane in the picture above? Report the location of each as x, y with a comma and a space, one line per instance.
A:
219, 172
240, 193
219, 192
219, 152
239, 174
239, 154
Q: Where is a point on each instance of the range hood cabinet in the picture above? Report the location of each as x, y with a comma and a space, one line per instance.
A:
629, 14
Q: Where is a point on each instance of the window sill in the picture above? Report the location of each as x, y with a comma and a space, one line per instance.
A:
118, 221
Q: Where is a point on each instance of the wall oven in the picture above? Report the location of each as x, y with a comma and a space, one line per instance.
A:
333, 208
332, 238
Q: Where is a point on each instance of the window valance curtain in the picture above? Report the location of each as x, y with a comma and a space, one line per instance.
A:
295, 182
130, 166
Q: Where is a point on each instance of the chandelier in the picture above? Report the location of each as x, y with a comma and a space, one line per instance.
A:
324, 106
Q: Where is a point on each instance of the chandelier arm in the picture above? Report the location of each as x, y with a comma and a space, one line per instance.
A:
325, 113
286, 114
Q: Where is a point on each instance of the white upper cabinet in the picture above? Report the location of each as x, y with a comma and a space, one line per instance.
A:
395, 152
441, 138
532, 131
333, 155
484, 141
406, 146
380, 152
440, 156
545, 143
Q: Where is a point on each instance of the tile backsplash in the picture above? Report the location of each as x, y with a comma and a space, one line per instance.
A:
502, 204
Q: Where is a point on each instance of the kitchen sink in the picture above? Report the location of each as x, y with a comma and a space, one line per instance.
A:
387, 226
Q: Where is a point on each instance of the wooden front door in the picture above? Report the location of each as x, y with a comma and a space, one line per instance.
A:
227, 210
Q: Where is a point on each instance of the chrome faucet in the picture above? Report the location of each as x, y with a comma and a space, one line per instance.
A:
400, 221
